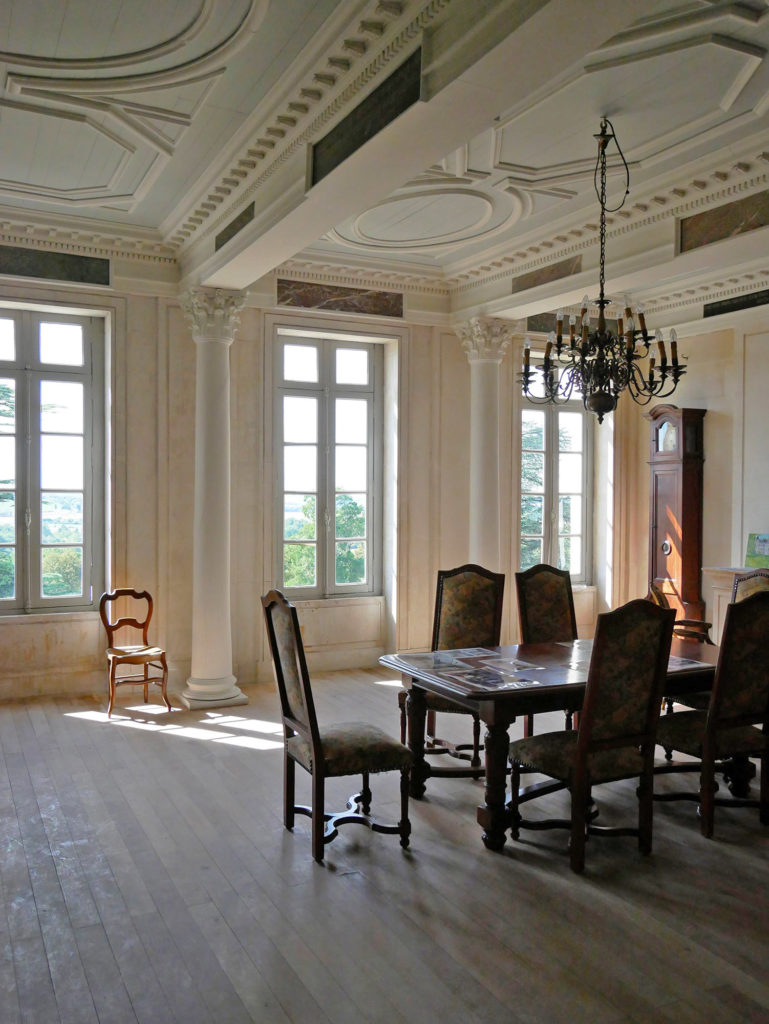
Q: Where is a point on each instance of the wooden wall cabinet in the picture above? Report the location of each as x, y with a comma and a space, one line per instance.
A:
675, 530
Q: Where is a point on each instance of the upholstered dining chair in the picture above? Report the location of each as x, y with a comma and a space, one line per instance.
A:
616, 734
545, 612
468, 613
154, 670
747, 583
345, 748
739, 702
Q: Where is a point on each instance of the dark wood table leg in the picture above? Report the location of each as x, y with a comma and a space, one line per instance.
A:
493, 816
416, 712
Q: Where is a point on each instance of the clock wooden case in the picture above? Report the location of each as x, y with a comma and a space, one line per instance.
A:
675, 490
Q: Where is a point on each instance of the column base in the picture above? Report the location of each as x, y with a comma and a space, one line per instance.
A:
212, 693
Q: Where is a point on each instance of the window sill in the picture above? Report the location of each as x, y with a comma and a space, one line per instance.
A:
38, 618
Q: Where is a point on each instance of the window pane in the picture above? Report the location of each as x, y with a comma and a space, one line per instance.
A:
350, 468
61, 463
351, 562
570, 554
351, 515
299, 516
62, 572
7, 406
300, 467
62, 344
531, 552
299, 565
570, 473
532, 514
570, 431
62, 518
7, 573
570, 513
7, 341
7, 462
61, 406
532, 471
300, 362
351, 421
7, 517
351, 366
533, 430
300, 419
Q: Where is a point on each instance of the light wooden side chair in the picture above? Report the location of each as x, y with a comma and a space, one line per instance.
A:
151, 659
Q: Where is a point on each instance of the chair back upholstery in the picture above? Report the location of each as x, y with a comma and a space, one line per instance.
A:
740, 694
290, 665
140, 604
628, 670
468, 608
545, 605
747, 583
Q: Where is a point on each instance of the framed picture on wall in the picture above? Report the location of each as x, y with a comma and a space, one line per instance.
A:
757, 551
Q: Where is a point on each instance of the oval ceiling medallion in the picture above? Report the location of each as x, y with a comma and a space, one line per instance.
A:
427, 218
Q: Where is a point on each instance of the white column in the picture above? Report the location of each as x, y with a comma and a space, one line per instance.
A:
485, 340
214, 318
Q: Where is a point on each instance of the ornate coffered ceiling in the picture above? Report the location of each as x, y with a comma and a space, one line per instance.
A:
143, 130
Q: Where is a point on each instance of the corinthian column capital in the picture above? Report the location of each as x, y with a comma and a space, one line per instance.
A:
485, 338
213, 313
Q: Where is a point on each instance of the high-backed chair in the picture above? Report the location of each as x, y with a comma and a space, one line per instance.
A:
747, 583
616, 734
468, 613
346, 748
152, 659
545, 612
739, 702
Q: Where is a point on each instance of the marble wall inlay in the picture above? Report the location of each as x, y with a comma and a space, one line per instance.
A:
341, 300
725, 221
53, 266
543, 275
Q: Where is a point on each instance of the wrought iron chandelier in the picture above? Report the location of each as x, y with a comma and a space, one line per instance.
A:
595, 363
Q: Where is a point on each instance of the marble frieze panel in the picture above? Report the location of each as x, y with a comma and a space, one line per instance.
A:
725, 221
341, 300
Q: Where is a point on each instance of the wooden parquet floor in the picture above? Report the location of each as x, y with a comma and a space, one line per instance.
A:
145, 875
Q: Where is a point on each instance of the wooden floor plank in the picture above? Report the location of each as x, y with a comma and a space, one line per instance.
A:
146, 876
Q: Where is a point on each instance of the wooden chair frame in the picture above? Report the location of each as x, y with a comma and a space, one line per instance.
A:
527, 633
580, 824
433, 743
737, 768
149, 657
325, 824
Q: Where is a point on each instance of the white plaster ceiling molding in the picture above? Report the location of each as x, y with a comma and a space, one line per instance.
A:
421, 219
90, 118
355, 51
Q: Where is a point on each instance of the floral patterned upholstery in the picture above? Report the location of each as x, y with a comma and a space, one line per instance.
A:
468, 609
545, 605
347, 748
685, 730
350, 749
739, 702
615, 739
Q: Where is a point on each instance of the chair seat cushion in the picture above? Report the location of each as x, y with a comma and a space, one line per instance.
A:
684, 731
433, 702
138, 651
350, 748
552, 753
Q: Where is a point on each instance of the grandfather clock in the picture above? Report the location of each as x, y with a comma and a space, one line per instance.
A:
675, 530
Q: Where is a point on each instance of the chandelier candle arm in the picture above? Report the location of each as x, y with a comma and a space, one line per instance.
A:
600, 365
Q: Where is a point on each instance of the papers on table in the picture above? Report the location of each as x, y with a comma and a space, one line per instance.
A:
477, 666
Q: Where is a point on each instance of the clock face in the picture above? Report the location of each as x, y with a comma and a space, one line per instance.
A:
667, 437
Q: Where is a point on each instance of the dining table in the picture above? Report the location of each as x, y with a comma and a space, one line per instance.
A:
503, 683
